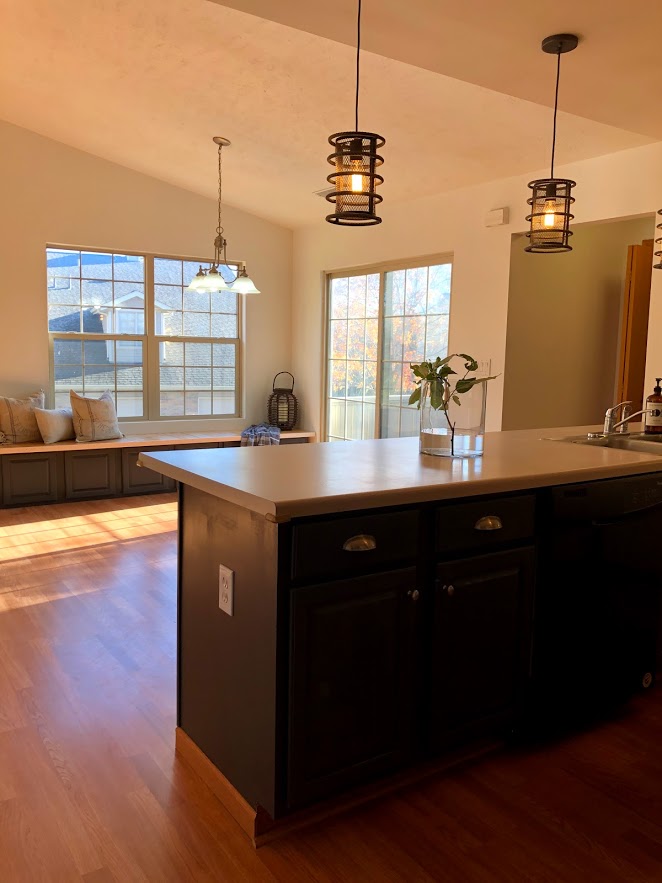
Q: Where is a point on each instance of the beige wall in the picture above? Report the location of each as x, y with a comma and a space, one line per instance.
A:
55, 194
621, 185
563, 327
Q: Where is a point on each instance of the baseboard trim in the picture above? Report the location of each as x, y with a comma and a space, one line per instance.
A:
259, 826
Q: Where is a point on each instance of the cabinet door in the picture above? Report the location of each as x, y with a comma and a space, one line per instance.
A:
139, 479
351, 685
91, 473
481, 644
31, 478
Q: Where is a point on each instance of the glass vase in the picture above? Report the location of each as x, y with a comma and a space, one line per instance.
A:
451, 429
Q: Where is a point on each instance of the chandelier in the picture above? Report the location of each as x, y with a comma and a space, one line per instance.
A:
210, 278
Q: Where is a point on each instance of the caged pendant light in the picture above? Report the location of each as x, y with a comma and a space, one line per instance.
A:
210, 278
658, 242
551, 197
355, 161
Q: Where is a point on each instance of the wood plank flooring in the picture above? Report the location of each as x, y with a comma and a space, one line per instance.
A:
90, 788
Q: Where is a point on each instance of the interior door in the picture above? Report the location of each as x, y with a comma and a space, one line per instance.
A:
634, 325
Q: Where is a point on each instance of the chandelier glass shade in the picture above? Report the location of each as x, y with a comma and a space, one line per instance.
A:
551, 198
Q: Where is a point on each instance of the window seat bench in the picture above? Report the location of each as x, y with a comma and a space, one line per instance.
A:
35, 473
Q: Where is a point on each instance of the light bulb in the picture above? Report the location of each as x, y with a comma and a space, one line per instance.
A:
549, 217
357, 183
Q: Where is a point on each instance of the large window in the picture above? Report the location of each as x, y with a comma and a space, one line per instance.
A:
379, 321
128, 324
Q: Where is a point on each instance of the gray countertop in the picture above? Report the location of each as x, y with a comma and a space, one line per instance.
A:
283, 482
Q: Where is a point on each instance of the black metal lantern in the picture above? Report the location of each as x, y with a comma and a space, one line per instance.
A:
551, 198
658, 242
282, 405
355, 161
355, 178
550, 215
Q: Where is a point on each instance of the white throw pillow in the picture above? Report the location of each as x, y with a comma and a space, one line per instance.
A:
94, 419
55, 426
18, 423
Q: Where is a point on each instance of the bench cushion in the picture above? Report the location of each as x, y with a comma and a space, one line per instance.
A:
18, 423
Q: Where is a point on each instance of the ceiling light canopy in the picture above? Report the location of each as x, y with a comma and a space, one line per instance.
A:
355, 161
551, 197
211, 279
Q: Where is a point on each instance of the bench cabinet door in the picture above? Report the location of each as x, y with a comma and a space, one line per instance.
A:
139, 479
31, 478
92, 473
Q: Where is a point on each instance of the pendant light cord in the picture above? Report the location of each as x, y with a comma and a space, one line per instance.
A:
556, 106
358, 51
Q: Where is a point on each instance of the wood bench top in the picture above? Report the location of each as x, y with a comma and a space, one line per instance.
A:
154, 440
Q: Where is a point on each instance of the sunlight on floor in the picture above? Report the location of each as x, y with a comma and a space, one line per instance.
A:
22, 540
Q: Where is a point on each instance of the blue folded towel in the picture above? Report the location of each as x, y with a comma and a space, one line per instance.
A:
260, 434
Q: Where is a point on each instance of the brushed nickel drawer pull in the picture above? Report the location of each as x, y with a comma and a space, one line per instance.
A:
489, 522
362, 542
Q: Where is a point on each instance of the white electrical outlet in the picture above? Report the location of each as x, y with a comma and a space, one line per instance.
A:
484, 368
226, 590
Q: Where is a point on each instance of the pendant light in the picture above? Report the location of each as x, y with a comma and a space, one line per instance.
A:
551, 197
355, 161
658, 242
209, 278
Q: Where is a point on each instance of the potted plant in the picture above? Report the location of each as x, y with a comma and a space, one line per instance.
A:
452, 407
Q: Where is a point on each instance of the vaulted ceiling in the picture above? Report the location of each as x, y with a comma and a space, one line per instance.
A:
460, 91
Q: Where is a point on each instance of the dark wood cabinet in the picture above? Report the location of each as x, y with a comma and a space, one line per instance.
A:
481, 644
31, 478
351, 681
138, 479
93, 473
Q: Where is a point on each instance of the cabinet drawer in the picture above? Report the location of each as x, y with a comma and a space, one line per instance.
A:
356, 544
484, 523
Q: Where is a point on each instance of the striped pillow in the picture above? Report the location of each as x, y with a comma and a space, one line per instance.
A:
18, 423
94, 419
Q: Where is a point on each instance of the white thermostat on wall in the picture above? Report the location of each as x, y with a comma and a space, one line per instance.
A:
497, 217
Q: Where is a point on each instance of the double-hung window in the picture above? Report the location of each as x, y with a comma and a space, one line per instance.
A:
380, 320
127, 323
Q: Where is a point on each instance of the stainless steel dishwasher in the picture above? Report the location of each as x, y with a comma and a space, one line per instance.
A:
597, 609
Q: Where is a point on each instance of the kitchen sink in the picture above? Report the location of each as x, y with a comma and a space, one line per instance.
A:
639, 442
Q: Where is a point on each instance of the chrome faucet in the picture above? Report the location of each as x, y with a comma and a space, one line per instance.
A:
611, 427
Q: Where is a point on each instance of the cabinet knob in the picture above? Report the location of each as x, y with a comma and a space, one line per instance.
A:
414, 594
362, 542
489, 522
450, 590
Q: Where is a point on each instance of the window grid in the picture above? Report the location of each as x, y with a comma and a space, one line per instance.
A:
68, 269
412, 316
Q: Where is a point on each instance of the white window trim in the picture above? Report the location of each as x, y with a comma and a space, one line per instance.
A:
382, 269
151, 341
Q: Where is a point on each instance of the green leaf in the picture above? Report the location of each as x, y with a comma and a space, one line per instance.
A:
457, 400
436, 395
415, 397
465, 385
471, 363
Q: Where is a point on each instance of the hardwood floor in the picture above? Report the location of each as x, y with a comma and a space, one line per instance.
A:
90, 788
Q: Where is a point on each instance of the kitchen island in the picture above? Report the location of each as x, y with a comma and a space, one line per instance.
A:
352, 614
